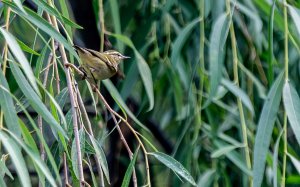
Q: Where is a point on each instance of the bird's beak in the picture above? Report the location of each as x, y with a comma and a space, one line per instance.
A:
125, 57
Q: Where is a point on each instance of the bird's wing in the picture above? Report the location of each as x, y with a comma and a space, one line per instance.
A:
105, 59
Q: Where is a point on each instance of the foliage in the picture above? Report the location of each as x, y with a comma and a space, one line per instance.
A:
209, 97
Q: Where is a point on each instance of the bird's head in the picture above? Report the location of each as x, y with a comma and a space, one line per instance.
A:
115, 55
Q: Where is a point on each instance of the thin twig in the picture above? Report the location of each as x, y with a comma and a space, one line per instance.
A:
73, 103
90, 131
239, 101
66, 170
4, 65
102, 29
89, 127
113, 113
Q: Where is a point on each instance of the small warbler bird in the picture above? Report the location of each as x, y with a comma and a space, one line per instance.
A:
98, 65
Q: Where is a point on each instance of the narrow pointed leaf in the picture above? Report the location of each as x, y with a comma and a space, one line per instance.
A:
143, 67
17, 158
129, 170
19, 4
275, 159
43, 25
239, 93
216, 53
295, 17
223, 150
181, 39
291, 103
8, 108
19, 55
174, 165
295, 162
117, 97
36, 159
34, 99
264, 131
207, 178
101, 158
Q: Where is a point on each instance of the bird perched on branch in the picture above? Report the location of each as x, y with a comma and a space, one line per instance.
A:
97, 65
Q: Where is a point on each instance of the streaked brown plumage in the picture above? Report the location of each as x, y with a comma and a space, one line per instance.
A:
99, 66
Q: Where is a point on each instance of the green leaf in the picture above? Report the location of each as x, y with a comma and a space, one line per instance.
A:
239, 93
74, 152
24, 47
36, 159
34, 99
29, 140
264, 130
17, 158
207, 178
174, 165
71, 23
114, 6
19, 55
295, 162
216, 53
295, 17
45, 6
40, 138
146, 75
260, 88
181, 39
116, 96
3, 168
275, 159
40, 62
62, 97
19, 4
2, 182
235, 157
92, 172
129, 170
223, 150
101, 158
43, 25
291, 103
143, 67
7, 107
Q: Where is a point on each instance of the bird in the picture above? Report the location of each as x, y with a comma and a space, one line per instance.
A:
97, 65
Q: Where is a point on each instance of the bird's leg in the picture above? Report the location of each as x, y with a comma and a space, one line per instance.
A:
80, 72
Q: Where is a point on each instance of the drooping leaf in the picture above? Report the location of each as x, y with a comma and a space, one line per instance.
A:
101, 158
36, 159
74, 152
291, 103
295, 162
34, 99
143, 67
218, 37
128, 174
26, 48
275, 159
181, 39
17, 158
207, 178
223, 150
7, 107
43, 25
239, 93
115, 94
295, 17
19, 55
265, 128
174, 165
